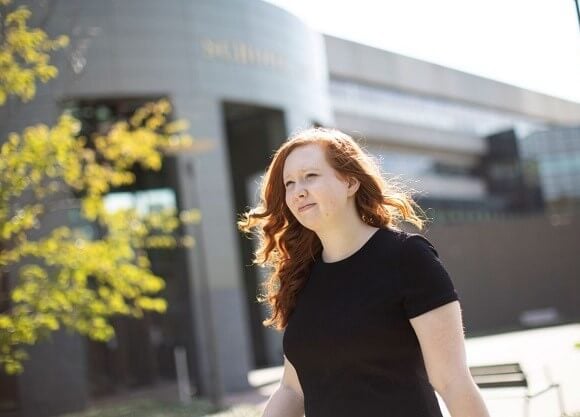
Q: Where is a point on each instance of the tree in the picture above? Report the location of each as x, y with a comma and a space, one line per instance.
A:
62, 277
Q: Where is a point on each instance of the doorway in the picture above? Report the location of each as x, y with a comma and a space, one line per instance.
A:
253, 133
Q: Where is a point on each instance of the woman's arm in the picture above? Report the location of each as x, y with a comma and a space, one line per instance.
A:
288, 399
440, 334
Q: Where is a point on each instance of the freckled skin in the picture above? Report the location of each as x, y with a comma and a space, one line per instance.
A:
309, 178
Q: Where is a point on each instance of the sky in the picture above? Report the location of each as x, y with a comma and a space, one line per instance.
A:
534, 44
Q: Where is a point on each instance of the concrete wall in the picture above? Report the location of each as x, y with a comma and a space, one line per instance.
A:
503, 268
349, 60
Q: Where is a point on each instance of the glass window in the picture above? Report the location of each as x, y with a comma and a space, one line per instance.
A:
147, 201
426, 111
152, 191
398, 163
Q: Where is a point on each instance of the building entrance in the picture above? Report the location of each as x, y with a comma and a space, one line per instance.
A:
253, 133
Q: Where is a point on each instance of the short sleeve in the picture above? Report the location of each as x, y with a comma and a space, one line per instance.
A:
426, 284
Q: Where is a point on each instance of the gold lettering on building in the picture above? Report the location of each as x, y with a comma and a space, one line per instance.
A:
241, 53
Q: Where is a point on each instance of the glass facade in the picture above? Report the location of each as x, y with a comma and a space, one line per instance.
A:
142, 350
557, 154
144, 201
401, 107
447, 192
416, 164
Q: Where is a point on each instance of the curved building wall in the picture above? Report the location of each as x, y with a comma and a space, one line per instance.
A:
201, 55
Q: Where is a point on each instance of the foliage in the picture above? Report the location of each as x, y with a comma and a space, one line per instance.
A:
63, 276
24, 54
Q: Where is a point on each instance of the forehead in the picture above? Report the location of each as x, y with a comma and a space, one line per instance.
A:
303, 158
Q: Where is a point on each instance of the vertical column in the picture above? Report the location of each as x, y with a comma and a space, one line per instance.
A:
217, 297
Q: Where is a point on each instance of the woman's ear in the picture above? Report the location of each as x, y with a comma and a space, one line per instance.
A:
353, 185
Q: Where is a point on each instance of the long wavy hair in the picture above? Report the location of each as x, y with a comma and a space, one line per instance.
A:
286, 246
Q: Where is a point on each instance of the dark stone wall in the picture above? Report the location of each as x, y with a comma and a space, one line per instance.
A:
503, 268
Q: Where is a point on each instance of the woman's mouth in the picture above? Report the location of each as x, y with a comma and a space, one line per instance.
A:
306, 207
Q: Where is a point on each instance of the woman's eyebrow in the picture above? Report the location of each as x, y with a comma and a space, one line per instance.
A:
302, 170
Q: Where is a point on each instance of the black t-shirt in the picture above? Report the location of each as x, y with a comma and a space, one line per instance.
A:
349, 336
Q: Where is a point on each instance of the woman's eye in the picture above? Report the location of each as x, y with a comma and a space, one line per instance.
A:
310, 175
288, 183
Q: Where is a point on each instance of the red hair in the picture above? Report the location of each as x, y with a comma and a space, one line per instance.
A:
288, 247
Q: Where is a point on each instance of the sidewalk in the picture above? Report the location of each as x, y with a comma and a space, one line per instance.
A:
265, 381
546, 355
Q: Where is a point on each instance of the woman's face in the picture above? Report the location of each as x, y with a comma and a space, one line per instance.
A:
315, 194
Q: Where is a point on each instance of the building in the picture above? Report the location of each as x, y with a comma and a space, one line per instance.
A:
556, 153
246, 74
434, 124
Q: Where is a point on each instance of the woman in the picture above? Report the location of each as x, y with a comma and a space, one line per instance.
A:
372, 323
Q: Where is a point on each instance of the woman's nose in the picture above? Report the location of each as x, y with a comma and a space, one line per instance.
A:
301, 192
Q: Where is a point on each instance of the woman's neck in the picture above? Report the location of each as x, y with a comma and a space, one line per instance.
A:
341, 242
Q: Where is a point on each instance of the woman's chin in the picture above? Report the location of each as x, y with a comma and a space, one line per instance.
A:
309, 225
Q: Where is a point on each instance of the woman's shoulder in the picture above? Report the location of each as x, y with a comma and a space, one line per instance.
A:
388, 242
396, 235
403, 241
